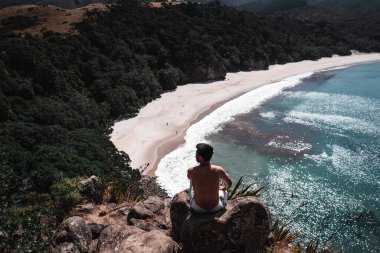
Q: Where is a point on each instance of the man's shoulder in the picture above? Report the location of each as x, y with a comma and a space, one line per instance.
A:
191, 168
217, 167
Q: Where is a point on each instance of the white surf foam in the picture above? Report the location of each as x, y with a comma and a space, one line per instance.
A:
268, 115
337, 104
171, 171
336, 122
284, 142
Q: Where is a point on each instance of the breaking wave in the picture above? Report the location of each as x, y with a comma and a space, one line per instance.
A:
171, 171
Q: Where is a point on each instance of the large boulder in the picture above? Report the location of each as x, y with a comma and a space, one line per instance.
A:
244, 226
124, 238
66, 247
83, 209
179, 211
150, 214
92, 189
72, 235
96, 229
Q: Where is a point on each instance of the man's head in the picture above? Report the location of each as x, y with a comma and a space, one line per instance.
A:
204, 152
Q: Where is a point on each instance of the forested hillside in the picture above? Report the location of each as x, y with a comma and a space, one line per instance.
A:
347, 7
357, 17
353, 7
60, 93
271, 6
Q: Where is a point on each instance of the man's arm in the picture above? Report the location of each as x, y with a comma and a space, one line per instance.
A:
189, 173
225, 177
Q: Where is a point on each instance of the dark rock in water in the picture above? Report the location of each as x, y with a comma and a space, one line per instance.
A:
124, 238
72, 230
244, 226
150, 214
92, 189
66, 247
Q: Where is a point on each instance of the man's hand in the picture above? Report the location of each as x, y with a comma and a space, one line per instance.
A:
222, 188
225, 177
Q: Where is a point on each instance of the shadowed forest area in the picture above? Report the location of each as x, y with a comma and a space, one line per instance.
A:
60, 93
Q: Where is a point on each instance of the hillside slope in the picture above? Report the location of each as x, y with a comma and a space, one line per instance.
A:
37, 19
60, 93
271, 6
347, 7
350, 7
66, 4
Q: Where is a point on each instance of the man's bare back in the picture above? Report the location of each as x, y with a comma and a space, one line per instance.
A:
205, 179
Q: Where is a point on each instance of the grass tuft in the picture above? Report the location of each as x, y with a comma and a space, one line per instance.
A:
241, 190
119, 191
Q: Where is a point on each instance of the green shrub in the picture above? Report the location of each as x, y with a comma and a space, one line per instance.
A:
66, 194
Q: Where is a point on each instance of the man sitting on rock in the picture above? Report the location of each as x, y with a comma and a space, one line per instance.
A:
208, 196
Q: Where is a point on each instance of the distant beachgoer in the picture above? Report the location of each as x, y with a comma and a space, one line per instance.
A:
208, 196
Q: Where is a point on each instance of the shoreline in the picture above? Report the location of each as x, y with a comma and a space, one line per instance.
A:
161, 125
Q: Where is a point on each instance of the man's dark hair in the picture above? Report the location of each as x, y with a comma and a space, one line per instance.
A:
205, 150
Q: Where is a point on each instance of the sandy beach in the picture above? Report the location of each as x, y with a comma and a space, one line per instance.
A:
160, 126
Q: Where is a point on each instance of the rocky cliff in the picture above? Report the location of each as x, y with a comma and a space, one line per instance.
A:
159, 225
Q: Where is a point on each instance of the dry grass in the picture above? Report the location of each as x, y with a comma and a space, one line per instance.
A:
50, 18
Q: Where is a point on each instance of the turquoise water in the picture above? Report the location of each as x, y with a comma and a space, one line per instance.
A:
316, 149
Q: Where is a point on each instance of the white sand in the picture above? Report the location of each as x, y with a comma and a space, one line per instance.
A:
160, 126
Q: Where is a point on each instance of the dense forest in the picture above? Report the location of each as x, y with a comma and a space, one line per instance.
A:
351, 17
271, 6
353, 7
346, 7
60, 93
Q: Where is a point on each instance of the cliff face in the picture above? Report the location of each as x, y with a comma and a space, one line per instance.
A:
165, 226
203, 63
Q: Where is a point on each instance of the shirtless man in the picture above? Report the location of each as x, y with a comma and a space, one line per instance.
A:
205, 180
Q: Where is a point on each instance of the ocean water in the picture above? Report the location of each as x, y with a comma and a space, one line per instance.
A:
313, 141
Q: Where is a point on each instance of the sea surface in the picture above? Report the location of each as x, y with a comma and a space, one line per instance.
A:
313, 141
